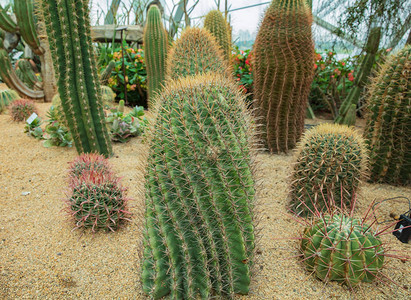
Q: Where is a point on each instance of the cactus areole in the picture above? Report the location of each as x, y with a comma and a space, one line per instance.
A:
343, 249
68, 31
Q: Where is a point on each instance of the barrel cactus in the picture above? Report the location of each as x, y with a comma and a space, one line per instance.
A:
6, 97
22, 109
88, 162
199, 232
283, 60
218, 27
156, 46
388, 126
331, 162
67, 25
195, 52
343, 249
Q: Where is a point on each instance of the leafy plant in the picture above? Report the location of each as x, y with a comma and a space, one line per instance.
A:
34, 128
55, 133
243, 71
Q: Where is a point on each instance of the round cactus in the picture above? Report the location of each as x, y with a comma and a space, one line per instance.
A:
107, 95
331, 161
195, 52
342, 249
88, 162
218, 27
6, 97
22, 109
388, 126
199, 235
98, 201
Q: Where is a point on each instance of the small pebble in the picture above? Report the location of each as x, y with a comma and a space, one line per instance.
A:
25, 193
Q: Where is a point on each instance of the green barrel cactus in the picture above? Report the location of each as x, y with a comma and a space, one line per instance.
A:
218, 27
195, 52
155, 52
343, 249
68, 30
6, 97
388, 126
199, 232
283, 60
331, 162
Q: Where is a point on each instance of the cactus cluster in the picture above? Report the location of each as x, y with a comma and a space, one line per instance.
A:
96, 199
6, 97
218, 27
68, 29
195, 52
342, 248
22, 109
156, 46
331, 162
388, 126
283, 59
199, 235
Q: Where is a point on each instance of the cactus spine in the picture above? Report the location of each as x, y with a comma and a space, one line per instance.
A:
199, 236
68, 30
218, 27
283, 72
155, 51
388, 126
195, 52
6, 97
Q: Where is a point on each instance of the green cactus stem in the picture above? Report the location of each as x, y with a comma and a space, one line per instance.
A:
283, 63
68, 30
218, 27
6, 22
25, 72
388, 121
6, 97
199, 233
155, 52
106, 73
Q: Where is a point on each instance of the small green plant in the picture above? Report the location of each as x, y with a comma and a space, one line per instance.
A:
34, 128
243, 71
22, 109
56, 134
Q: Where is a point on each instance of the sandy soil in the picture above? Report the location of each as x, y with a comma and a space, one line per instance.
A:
42, 258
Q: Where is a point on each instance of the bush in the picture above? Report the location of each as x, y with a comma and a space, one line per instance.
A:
243, 71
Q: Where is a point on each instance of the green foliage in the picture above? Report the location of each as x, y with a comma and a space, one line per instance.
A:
156, 47
56, 134
331, 161
22, 109
199, 232
388, 126
283, 70
343, 249
218, 27
34, 128
243, 71
6, 97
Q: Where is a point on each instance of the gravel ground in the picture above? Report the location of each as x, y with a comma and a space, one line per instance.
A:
42, 258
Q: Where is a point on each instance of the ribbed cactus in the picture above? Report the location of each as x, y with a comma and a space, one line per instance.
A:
155, 52
106, 73
216, 24
195, 52
199, 235
283, 63
6, 22
6, 97
343, 249
388, 126
331, 161
26, 74
68, 29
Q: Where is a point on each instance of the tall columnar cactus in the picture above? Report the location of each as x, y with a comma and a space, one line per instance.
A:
283, 72
199, 235
195, 52
216, 24
155, 52
26, 74
388, 127
6, 97
331, 161
342, 249
68, 30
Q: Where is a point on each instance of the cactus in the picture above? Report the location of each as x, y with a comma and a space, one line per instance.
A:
26, 74
22, 109
68, 30
343, 249
86, 163
156, 44
199, 235
331, 161
218, 27
106, 73
6, 97
6, 22
283, 63
107, 95
195, 52
388, 125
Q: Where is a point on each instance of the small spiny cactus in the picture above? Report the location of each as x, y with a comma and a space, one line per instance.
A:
6, 97
22, 109
89, 162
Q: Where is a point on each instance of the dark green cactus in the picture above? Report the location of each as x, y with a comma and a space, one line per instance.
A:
388, 126
68, 30
195, 52
331, 161
199, 234
6, 22
6, 97
106, 73
155, 52
283, 63
343, 249
25, 72
217, 25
